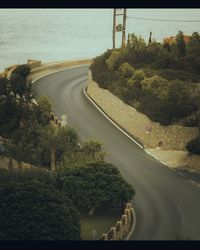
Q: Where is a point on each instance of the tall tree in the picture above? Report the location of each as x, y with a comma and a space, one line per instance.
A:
92, 184
180, 43
59, 140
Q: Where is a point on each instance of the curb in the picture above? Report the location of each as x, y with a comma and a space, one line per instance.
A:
155, 157
100, 110
67, 68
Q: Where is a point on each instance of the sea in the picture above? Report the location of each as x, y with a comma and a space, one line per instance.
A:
68, 34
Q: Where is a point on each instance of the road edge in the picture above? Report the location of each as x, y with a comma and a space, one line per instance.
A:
71, 67
107, 117
56, 71
113, 122
132, 139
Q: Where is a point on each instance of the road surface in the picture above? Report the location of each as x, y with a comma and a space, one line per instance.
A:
167, 206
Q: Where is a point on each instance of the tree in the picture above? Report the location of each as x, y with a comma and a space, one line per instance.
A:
59, 140
4, 86
180, 43
90, 185
43, 110
112, 60
156, 79
23, 70
25, 145
18, 84
136, 43
9, 115
193, 146
126, 71
32, 210
89, 151
28, 174
193, 46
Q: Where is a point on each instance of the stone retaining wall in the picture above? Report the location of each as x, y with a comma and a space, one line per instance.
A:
149, 133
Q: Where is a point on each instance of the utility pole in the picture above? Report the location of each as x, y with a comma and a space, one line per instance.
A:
119, 27
124, 30
114, 27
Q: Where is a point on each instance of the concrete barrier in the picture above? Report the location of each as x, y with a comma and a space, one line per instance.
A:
52, 67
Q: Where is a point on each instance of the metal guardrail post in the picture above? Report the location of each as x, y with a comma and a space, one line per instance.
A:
120, 230
105, 236
124, 219
114, 233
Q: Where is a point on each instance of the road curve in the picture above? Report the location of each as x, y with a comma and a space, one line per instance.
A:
167, 205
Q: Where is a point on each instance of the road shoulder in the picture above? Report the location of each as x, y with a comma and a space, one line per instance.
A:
176, 160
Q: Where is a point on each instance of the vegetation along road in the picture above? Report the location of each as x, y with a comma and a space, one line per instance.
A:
167, 205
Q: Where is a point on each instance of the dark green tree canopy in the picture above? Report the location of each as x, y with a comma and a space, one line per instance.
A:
194, 146
92, 184
32, 210
9, 115
4, 86
23, 70
180, 43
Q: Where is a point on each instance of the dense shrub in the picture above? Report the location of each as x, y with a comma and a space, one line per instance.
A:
157, 79
32, 210
36, 174
194, 146
90, 185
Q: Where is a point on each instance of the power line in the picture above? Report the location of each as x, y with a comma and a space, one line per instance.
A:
164, 20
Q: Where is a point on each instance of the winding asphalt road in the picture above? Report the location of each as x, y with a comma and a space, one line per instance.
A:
167, 206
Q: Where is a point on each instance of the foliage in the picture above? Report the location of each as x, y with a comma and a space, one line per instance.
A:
92, 184
43, 110
4, 86
112, 60
31, 174
33, 210
194, 146
58, 141
156, 79
9, 115
23, 70
89, 151
99, 69
181, 46
126, 71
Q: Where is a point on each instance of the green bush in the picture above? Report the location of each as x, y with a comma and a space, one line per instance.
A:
183, 75
36, 174
194, 146
159, 78
91, 184
126, 71
23, 70
33, 210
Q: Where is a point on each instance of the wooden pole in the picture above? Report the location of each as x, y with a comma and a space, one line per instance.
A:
124, 29
114, 27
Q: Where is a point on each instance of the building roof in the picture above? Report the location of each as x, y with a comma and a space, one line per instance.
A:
172, 39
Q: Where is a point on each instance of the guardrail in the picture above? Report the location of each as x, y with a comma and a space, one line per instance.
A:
124, 227
48, 68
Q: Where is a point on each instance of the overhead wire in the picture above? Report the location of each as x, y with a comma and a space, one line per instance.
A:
163, 20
